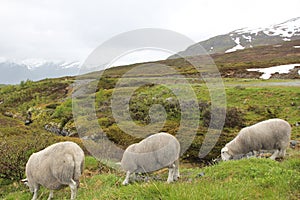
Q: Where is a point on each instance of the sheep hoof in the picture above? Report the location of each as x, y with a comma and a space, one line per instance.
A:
170, 180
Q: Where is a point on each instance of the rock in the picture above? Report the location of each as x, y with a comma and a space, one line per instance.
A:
27, 122
56, 129
169, 99
8, 114
53, 128
293, 144
201, 174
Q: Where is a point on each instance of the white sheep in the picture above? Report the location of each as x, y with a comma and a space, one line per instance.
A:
152, 153
272, 134
55, 167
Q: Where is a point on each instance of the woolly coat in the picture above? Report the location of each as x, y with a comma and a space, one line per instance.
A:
55, 166
153, 153
266, 135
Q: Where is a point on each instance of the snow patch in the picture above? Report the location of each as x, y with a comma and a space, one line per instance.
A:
248, 31
285, 30
33, 63
70, 65
249, 38
237, 47
286, 39
297, 47
281, 69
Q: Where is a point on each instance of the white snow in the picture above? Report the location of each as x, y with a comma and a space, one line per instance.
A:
297, 47
70, 65
237, 47
286, 29
249, 38
281, 69
33, 63
248, 30
286, 39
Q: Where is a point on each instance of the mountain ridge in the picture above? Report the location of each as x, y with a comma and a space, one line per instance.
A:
245, 38
35, 69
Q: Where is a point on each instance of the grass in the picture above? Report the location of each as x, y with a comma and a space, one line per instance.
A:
243, 179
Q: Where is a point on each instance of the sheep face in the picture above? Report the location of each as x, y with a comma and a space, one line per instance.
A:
225, 154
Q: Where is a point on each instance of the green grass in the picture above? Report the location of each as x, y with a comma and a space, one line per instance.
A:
254, 100
243, 179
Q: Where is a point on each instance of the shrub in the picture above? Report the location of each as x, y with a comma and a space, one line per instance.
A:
15, 152
234, 117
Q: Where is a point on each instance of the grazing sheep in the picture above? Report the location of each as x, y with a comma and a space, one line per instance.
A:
272, 134
55, 167
153, 153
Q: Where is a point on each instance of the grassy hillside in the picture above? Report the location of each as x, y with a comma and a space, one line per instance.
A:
232, 65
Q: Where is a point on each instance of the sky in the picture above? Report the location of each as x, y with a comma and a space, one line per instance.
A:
70, 30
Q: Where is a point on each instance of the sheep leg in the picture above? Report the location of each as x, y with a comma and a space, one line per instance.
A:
282, 153
171, 173
50, 195
255, 153
35, 192
275, 154
176, 173
73, 187
133, 176
126, 181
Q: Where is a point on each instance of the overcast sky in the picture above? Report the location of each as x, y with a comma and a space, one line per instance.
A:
71, 30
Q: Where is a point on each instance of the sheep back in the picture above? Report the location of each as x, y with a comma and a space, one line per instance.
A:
153, 153
56, 165
266, 135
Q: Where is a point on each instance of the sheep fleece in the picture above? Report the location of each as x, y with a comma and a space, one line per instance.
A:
56, 165
154, 152
266, 135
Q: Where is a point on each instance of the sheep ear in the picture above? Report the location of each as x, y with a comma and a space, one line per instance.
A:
25, 180
225, 149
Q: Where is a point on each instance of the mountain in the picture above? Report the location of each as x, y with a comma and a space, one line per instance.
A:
246, 38
13, 72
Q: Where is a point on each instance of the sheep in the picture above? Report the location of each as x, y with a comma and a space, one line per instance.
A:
151, 154
55, 167
272, 134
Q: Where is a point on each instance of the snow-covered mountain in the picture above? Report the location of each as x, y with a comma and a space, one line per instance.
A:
13, 72
246, 38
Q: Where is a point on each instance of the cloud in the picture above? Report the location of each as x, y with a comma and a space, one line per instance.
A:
70, 30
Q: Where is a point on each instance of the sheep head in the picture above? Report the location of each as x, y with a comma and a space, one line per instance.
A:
225, 154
